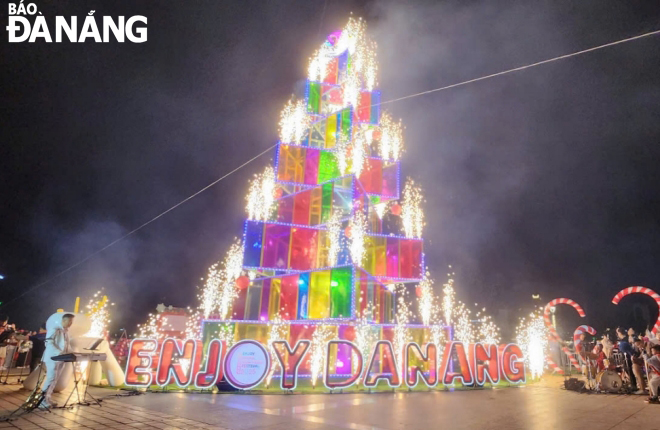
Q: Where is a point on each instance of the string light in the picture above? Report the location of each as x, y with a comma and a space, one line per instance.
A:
412, 215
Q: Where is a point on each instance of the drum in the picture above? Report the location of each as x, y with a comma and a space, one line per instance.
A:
609, 381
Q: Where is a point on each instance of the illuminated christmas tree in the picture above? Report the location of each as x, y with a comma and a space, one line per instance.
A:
327, 243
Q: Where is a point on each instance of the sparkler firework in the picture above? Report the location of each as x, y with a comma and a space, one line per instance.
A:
219, 290
428, 307
487, 331
334, 238
98, 312
261, 195
307, 272
318, 351
366, 335
277, 330
463, 329
412, 214
391, 139
401, 331
294, 122
358, 228
448, 300
231, 270
532, 337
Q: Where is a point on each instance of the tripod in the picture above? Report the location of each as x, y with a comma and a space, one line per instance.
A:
33, 401
86, 394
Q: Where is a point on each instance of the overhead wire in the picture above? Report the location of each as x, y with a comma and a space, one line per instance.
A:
517, 69
73, 266
482, 78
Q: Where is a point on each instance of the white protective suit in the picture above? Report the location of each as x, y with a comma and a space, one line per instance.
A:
57, 343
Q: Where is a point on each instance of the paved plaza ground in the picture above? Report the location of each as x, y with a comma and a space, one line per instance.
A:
538, 406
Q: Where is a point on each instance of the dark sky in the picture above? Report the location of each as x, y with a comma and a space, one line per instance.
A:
542, 181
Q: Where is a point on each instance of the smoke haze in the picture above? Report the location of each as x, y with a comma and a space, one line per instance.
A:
543, 181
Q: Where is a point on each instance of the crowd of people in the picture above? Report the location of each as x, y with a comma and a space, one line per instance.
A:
635, 356
19, 348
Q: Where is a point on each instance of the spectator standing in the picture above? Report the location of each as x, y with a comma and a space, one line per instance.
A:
5, 334
638, 365
24, 348
628, 351
38, 346
653, 363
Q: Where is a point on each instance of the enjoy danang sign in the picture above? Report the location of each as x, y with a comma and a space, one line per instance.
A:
246, 364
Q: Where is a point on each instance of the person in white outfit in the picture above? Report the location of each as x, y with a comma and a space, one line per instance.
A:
653, 367
57, 343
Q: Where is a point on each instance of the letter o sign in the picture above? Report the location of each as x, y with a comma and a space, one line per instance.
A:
247, 364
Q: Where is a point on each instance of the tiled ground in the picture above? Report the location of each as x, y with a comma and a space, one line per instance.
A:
112, 415
537, 406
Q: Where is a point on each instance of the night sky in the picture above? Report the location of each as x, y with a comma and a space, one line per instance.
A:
543, 181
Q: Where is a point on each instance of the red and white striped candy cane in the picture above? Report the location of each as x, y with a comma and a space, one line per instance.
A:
554, 366
553, 333
578, 331
642, 290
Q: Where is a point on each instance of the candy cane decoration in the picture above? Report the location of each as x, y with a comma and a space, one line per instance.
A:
554, 366
642, 290
579, 331
553, 333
